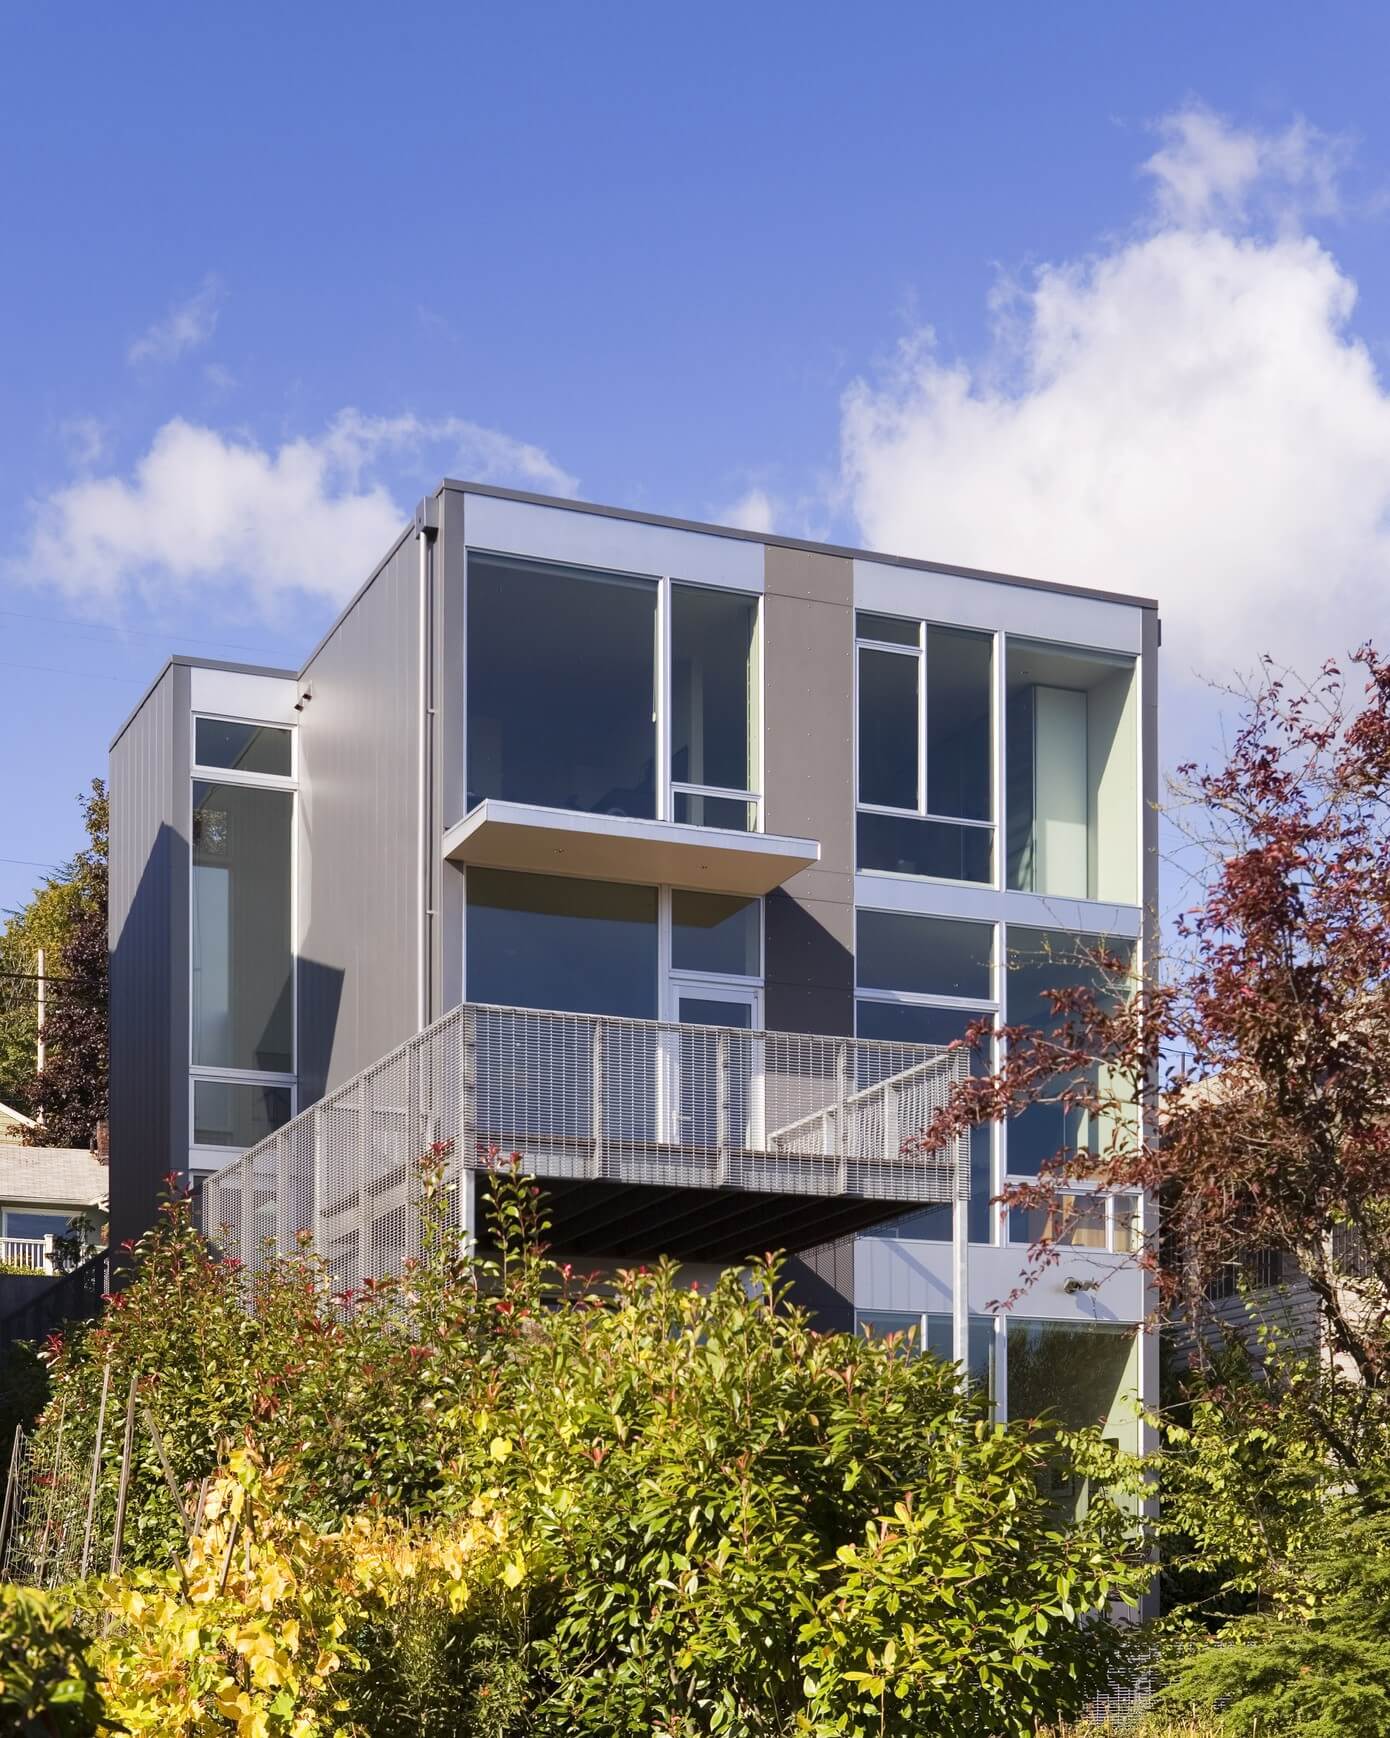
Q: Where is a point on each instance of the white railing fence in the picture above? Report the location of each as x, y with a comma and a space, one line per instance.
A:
29, 1254
589, 1097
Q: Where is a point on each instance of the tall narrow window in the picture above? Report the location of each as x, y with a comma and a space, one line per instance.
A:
926, 786
1071, 773
561, 687
242, 993
713, 707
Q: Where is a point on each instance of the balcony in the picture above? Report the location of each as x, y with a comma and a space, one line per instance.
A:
542, 841
707, 1143
26, 1254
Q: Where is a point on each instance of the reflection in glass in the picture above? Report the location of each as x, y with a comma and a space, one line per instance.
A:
229, 1113
561, 687
1078, 1377
716, 932
1071, 773
553, 941
888, 729
242, 965
712, 688
259, 748
1040, 960
1072, 1222
959, 703
893, 629
911, 1023
695, 809
33, 1226
929, 956
940, 1339
905, 845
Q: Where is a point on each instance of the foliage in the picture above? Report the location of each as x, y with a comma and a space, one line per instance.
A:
684, 1511
1315, 1661
23, 1391
67, 918
48, 1684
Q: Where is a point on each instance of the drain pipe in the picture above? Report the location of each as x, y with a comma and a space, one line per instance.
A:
960, 1261
426, 530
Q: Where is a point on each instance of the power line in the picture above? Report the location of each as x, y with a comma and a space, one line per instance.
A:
135, 633
82, 675
30, 863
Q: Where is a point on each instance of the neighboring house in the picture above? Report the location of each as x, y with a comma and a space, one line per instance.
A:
43, 1190
674, 856
13, 1124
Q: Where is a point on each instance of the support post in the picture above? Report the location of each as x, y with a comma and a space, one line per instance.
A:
960, 1259
467, 1155
95, 1481
123, 1488
842, 1094
721, 1108
597, 1081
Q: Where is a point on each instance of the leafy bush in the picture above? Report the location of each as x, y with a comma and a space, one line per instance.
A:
48, 1685
485, 1500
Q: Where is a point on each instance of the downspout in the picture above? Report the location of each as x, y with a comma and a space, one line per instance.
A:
426, 530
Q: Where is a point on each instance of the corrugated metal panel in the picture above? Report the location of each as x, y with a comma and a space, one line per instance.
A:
359, 832
148, 938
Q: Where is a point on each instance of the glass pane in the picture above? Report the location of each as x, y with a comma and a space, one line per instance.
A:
959, 739
242, 961
1040, 960
1071, 773
550, 941
243, 747
929, 956
695, 810
1129, 1225
909, 1023
1073, 1221
710, 1011
940, 1339
893, 629
712, 634
716, 932
714, 1075
1078, 1376
888, 729
32, 1226
561, 686
904, 845
230, 1113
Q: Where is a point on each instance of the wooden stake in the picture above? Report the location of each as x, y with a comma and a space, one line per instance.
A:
168, 1472
96, 1472
202, 1504
7, 1517
123, 1489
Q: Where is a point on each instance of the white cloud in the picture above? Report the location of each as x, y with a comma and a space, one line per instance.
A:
1186, 414
186, 326
754, 510
202, 508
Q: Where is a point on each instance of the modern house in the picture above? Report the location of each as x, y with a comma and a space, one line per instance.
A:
674, 856
47, 1193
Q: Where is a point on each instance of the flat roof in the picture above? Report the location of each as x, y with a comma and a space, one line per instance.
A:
709, 529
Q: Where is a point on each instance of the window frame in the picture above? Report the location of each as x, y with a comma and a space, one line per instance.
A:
203, 1158
923, 812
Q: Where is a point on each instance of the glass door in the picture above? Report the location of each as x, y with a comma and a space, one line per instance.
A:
716, 1094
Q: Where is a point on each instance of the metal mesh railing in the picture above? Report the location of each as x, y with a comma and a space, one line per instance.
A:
589, 1097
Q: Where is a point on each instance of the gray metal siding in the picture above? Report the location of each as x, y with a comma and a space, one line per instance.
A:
359, 832
808, 776
148, 938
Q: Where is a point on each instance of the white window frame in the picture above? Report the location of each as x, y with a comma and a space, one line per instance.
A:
204, 1158
922, 812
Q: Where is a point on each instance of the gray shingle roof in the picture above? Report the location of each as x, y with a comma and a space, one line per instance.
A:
52, 1176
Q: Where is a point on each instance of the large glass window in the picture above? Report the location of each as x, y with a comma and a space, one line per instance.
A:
1077, 1376
714, 704
237, 1113
33, 1226
242, 989
925, 755
901, 959
561, 687
554, 941
716, 932
1072, 773
1040, 960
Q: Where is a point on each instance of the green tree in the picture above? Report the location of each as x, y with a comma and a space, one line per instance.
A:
66, 918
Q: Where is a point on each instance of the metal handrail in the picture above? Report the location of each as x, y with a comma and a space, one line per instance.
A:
590, 1097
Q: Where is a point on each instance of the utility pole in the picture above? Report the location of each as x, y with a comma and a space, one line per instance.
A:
43, 1008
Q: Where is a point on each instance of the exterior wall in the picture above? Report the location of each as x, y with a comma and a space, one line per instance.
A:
148, 935
808, 780
359, 831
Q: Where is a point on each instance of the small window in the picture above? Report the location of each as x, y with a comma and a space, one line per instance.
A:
927, 956
33, 1226
893, 630
699, 809
714, 932
938, 850
257, 748
237, 1113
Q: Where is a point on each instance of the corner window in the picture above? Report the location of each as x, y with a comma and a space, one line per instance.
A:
925, 749
1071, 773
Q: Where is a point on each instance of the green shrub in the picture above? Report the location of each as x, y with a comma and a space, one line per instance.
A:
48, 1685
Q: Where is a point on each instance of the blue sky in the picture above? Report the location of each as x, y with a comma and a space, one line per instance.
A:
1097, 292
